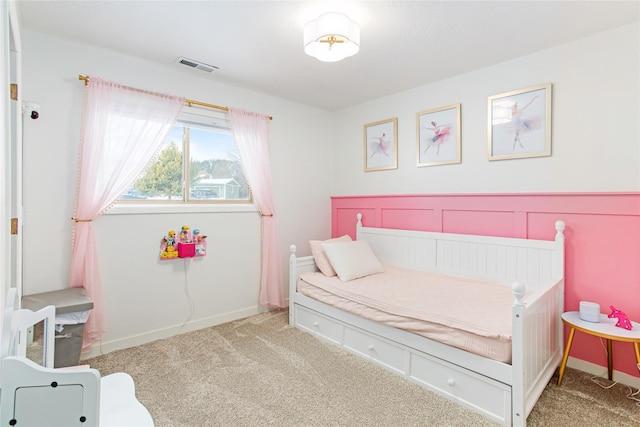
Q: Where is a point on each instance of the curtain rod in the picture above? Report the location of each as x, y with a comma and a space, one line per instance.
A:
189, 102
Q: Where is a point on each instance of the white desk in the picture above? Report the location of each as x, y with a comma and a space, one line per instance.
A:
607, 329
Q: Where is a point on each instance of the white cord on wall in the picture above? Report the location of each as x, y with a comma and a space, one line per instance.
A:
188, 295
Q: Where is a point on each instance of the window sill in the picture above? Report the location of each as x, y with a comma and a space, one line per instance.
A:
133, 209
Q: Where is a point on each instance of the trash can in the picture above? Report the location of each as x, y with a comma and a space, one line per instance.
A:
72, 310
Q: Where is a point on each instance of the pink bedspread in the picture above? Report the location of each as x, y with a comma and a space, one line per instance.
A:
468, 314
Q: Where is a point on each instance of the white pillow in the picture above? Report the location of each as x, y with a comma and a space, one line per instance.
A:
320, 257
352, 260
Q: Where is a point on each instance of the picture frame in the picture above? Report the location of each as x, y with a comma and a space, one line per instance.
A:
381, 145
519, 123
438, 136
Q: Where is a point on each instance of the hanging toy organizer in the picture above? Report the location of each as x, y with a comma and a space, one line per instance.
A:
187, 244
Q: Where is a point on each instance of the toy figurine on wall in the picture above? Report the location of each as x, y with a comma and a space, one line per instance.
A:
167, 246
185, 234
201, 243
185, 245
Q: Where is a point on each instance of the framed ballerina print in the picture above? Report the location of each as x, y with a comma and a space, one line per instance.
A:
520, 123
381, 145
438, 136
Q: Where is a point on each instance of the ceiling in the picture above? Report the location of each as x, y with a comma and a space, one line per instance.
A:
258, 44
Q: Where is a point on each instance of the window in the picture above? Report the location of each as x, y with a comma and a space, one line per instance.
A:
214, 171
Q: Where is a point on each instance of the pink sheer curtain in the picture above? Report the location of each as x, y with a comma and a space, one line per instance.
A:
121, 131
251, 133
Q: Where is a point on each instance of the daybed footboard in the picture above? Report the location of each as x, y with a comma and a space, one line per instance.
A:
536, 347
505, 393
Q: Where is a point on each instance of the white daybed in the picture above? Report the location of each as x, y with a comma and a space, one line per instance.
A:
503, 392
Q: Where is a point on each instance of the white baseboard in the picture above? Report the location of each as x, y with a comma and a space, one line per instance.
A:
105, 347
601, 371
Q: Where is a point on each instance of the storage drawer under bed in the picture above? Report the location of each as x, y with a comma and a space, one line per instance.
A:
470, 389
386, 353
320, 325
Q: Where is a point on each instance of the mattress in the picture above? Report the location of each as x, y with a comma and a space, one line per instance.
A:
471, 315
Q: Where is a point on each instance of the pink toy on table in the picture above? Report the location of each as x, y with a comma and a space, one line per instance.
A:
623, 319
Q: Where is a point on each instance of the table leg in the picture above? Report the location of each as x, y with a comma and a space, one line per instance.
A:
636, 347
563, 365
610, 360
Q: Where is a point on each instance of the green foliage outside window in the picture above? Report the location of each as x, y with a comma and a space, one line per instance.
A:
163, 177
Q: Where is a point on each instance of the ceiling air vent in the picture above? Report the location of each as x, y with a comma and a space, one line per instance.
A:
196, 64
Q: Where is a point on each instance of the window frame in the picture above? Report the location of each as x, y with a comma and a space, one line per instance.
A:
191, 117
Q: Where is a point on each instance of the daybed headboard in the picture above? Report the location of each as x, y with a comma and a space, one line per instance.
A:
507, 260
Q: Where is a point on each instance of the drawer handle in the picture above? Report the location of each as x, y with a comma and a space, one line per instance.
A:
316, 324
451, 382
371, 347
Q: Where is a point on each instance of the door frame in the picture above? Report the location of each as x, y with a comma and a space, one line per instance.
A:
10, 157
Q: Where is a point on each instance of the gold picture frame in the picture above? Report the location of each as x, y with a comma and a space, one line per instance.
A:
438, 136
381, 145
519, 123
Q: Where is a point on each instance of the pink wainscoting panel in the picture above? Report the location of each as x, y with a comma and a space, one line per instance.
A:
344, 221
601, 266
486, 223
407, 219
602, 241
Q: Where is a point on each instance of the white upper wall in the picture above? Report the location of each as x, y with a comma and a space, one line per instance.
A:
595, 127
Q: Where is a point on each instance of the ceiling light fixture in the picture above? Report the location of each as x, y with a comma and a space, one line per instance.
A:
331, 37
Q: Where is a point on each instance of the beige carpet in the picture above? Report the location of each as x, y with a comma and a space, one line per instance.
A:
259, 371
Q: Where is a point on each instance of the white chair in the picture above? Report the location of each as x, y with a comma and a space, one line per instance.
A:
35, 395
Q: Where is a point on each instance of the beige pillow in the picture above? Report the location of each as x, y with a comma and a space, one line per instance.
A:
352, 260
320, 257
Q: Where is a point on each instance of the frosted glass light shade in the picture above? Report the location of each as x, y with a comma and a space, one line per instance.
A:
331, 37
